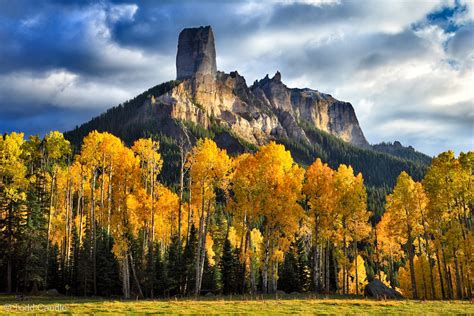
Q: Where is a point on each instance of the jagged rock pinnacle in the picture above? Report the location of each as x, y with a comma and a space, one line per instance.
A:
196, 53
277, 76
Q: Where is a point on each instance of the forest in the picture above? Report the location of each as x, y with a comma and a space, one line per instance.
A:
97, 221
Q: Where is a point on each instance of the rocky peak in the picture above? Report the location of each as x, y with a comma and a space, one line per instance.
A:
258, 113
277, 77
196, 53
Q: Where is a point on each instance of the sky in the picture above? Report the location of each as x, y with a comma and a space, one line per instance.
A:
405, 65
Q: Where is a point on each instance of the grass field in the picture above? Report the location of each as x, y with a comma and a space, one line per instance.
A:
268, 305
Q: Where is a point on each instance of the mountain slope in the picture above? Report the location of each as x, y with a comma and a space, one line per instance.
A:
209, 103
398, 150
141, 117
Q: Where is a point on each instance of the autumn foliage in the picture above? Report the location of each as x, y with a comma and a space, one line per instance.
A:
98, 221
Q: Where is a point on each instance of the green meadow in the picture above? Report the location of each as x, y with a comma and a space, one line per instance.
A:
261, 305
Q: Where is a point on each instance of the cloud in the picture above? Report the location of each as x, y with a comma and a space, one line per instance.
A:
406, 66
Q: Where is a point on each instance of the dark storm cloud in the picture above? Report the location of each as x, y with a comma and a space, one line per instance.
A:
39, 121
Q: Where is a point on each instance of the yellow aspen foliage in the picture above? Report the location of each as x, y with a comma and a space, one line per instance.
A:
209, 171
361, 276
320, 191
383, 278
12, 168
244, 195
449, 185
56, 146
405, 206
166, 215
351, 215
422, 279
233, 237
209, 250
279, 185
257, 242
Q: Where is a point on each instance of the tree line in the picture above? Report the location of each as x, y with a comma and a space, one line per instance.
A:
99, 222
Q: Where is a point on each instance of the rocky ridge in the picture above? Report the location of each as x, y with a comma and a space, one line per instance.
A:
266, 110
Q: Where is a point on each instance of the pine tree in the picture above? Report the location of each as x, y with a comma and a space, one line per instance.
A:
228, 266
107, 266
72, 286
174, 266
302, 264
189, 256
288, 279
160, 284
54, 280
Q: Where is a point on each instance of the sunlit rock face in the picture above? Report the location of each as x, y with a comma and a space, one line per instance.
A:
266, 110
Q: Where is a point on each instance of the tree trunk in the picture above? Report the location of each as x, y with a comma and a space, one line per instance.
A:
344, 267
356, 269
465, 293
80, 210
441, 282
336, 283
102, 189
446, 274
125, 277
274, 276
198, 255
327, 273
458, 277
49, 228
134, 273
201, 244
189, 211
411, 257
203, 249
109, 202
392, 276
265, 268
151, 238
316, 267
67, 222
253, 283
181, 190
430, 262
316, 259
94, 239
465, 223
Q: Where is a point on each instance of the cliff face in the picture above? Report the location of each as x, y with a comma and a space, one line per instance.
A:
268, 109
196, 53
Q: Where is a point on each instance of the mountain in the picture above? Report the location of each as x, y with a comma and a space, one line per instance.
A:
266, 110
205, 102
398, 150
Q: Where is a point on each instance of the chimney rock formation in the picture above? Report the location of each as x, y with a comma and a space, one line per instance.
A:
196, 53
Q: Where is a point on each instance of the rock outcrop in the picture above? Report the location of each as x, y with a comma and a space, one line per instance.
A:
196, 53
266, 110
377, 289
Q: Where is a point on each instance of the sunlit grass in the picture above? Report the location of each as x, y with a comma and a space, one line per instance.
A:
269, 305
